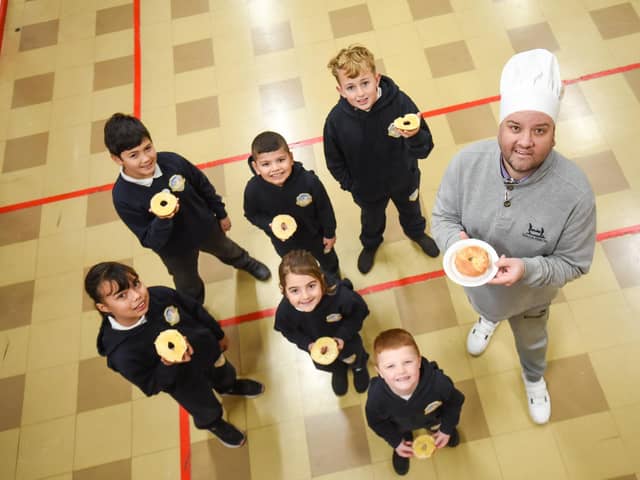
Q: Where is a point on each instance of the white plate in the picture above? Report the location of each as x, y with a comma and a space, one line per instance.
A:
450, 269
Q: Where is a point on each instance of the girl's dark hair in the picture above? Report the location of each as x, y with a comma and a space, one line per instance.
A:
268, 142
301, 262
115, 272
123, 132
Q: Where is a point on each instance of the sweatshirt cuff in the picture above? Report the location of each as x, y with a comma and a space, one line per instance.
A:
531, 270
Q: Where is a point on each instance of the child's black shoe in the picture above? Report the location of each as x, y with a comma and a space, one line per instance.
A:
400, 464
428, 246
365, 259
454, 439
361, 379
245, 387
257, 269
228, 435
339, 381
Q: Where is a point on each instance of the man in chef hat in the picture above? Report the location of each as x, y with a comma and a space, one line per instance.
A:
532, 205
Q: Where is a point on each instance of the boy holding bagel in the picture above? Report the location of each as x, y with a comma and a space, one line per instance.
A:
411, 393
373, 138
289, 203
176, 230
135, 320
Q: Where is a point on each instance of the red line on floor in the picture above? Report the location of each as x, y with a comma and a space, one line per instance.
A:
185, 446
301, 143
3, 17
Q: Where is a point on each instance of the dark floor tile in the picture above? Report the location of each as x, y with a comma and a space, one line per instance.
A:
99, 386
432, 8
100, 209
38, 35
96, 144
449, 59
182, 8
17, 302
616, 21
529, 37
337, 441
196, 115
282, 96
633, 79
120, 470
32, 90
114, 19
574, 388
472, 124
113, 73
350, 20
11, 398
192, 55
425, 307
20, 225
25, 152
210, 459
604, 172
473, 422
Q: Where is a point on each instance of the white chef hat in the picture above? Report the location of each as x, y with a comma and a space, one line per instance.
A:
531, 81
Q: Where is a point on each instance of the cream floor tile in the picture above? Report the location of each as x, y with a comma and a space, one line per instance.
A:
262, 347
504, 403
618, 373
156, 43
108, 241
35, 62
41, 11
417, 470
55, 343
191, 28
360, 473
57, 387
438, 30
447, 347
113, 45
22, 185
530, 453
627, 420
476, 460
623, 115
59, 253
599, 280
383, 315
379, 449
57, 296
63, 216
154, 425
77, 25
620, 209
105, 102
479, 21
465, 313
311, 30
194, 84
459, 88
621, 326
113, 423
280, 450
632, 296
607, 93
281, 401
162, 465
155, 14
46, 448
565, 339
18, 262
500, 356
14, 343
591, 447
580, 136
8, 452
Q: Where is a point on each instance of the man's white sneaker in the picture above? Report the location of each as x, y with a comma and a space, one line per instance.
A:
538, 400
479, 336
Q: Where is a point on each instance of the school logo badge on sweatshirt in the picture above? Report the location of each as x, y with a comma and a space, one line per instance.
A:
432, 407
304, 199
176, 183
171, 315
333, 318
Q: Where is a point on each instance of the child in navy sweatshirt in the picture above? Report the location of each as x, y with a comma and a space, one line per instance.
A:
132, 318
410, 393
282, 186
199, 221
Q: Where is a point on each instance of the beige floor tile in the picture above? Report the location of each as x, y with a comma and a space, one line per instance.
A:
621, 253
565, 338
117, 469
155, 425
503, 400
54, 343
447, 347
8, 452
46, 448
420, 312
114, 423
500, 356
63, 216
58, 253
269, 447
163, 465
262, 347
621, 325
627, 420
89, 327
618, 373
14, 343
533, 446
18, 262
477, 459
57, 386
599, 280
111, 240
438, 30
56, 296
473, 425
591, 447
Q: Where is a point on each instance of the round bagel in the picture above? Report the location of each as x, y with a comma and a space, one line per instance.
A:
410, 121
170, 345
163, 204
472, 261
423, 446
324, 351
283, 226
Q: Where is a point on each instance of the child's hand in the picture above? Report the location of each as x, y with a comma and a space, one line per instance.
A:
340, 343
405, 449
172, 214
441, 439
185, 358
463, 235
328, 243
225, 224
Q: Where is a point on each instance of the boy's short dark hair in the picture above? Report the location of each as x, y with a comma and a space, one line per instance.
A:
124, 132
352, 60
392, 339
266, 142
119, 273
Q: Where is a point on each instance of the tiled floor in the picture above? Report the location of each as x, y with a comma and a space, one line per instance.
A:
215, 73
